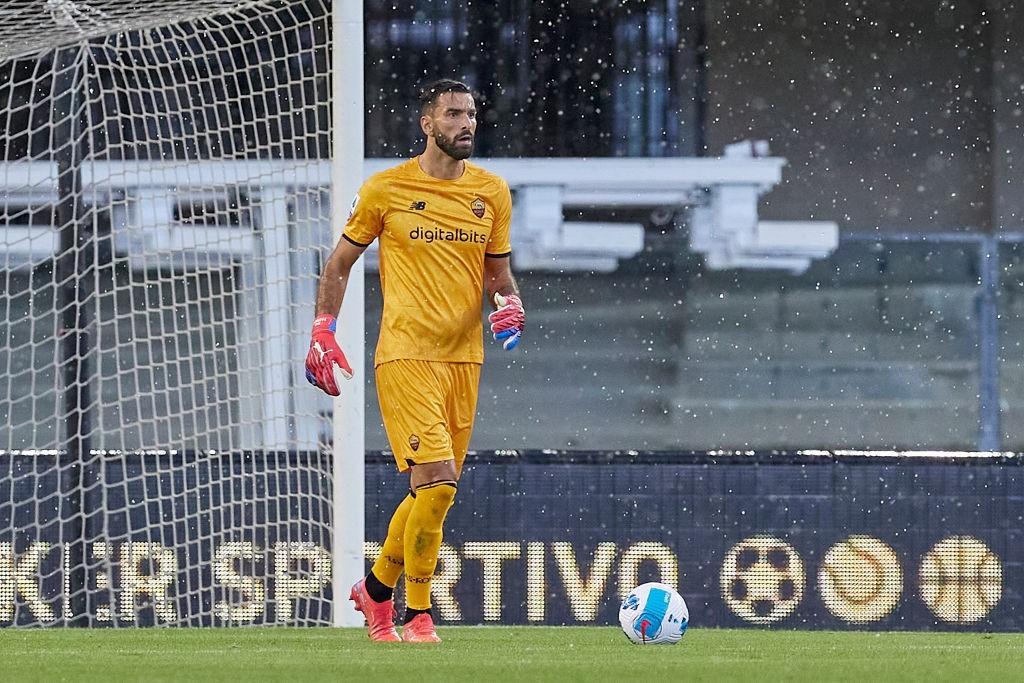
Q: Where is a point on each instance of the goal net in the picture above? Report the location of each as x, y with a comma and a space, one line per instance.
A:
164, 189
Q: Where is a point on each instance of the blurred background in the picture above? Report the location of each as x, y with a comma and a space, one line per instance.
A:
899, 122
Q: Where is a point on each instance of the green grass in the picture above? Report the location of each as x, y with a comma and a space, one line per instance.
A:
483, 654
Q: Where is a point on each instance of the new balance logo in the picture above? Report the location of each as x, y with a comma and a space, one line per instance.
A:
417, 206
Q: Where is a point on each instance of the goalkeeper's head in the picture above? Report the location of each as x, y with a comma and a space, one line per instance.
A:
448, 117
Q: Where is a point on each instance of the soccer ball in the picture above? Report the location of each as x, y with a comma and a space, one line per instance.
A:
654, 614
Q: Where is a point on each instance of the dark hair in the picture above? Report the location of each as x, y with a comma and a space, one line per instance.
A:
431, 91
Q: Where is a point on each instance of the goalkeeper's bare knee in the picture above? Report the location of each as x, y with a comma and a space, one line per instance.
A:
423, 473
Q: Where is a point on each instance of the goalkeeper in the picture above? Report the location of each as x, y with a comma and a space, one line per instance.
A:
443, 227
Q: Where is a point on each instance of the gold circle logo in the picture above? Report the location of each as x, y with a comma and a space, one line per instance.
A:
860, 579
961, 579
762, 579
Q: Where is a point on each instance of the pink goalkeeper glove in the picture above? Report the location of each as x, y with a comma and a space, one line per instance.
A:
325, 360
508, 321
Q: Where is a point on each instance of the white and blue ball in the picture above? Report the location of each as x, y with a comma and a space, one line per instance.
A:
654, 614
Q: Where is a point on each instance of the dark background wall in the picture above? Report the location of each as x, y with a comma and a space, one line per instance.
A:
1008, 114
893, 115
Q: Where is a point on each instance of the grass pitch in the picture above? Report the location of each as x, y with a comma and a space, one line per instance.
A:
504, 653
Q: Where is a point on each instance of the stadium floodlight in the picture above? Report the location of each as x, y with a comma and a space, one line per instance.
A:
169, 184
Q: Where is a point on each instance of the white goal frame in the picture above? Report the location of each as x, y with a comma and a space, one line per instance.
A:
349, 408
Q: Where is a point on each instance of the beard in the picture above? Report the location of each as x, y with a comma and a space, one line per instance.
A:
447, 145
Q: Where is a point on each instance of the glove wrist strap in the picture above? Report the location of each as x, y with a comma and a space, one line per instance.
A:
323, 322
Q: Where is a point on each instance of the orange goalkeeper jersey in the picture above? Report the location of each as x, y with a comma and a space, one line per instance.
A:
434, 236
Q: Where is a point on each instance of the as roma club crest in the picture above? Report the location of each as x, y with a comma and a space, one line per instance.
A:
478, 207
414, 442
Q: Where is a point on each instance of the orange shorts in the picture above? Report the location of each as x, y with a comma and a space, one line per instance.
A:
428, 409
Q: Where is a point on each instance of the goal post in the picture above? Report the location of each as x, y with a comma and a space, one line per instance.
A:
169, 187
349, 420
